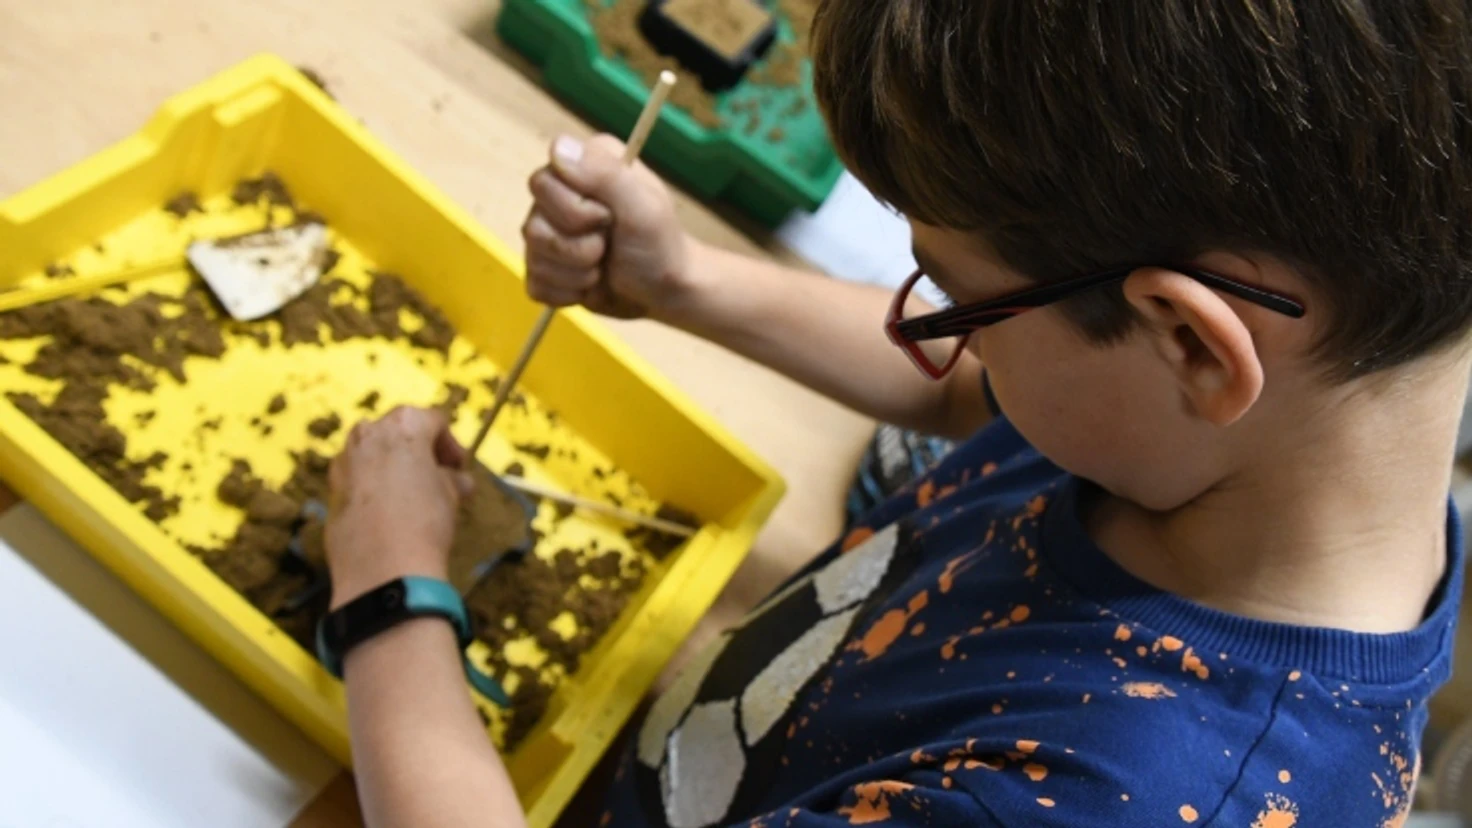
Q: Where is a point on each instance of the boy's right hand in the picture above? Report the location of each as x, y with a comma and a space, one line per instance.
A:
603, 234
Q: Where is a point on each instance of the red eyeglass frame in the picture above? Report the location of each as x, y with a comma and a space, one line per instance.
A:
964, 320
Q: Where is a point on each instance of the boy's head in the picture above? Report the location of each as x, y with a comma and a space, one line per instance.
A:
1321, 148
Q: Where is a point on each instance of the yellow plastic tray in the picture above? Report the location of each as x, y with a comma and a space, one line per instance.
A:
610, 406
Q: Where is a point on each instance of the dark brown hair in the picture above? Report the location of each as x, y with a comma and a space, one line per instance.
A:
1076, 136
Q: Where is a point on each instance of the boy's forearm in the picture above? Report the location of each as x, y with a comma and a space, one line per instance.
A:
420, 754
826, 334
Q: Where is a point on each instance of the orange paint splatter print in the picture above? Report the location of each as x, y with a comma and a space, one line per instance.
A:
1294, 676
925, 494
890, 627
855, 537
1191, 663
1188, 814
1122, 633
1171, 643
918, 629
1147, 690
1019, 613
1284, 776
873, 801
953, 568
988, 468
1036, 506
1280, 812
1026, 745
1035, 772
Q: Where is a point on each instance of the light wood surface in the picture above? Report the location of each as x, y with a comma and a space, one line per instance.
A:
433, 81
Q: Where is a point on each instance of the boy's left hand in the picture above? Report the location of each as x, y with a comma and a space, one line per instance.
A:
396, 487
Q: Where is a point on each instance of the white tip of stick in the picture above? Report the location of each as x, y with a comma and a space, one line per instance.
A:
666, 78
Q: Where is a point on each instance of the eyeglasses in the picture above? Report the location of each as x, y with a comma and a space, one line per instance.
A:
962, 321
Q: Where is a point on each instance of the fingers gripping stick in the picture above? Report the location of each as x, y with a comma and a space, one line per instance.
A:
647, 119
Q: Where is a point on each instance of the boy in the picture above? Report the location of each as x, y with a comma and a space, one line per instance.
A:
1195, 563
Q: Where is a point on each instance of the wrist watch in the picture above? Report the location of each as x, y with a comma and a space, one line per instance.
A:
393, 603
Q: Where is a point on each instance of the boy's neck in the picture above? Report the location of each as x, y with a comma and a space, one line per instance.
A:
1344, 530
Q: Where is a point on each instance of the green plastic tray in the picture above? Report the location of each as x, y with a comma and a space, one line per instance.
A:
766, 178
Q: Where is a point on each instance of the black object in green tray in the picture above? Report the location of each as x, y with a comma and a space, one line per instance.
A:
770, 154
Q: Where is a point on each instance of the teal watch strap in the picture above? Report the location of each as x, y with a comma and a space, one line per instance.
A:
393, 603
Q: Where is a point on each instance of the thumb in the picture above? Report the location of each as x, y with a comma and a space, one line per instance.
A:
595, 169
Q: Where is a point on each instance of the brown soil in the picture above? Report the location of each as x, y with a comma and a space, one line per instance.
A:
522, 599
277, 404
370, 401
657, 543
89, 340
537, 450
76, 419
251, 562
492, 522
324, 427
181, 205
726, 26
388, 296
455, 396
57, 270
269, 188
616, 26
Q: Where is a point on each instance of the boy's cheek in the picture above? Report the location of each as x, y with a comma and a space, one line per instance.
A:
1107, 414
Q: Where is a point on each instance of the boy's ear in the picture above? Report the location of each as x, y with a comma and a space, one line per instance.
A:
1205, 343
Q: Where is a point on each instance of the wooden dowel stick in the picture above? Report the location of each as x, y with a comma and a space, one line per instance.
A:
521, 484
647, 119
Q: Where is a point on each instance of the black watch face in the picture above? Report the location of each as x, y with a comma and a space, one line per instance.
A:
366, 616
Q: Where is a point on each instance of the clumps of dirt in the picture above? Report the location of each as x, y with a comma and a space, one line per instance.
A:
455, 396
537, 450
660, 544
59, 270
388, 296
256, 561
324, 426
181, 205
276, 405
330, 306
517, 600
726, 26
90, 337
616, 26
77, 420
515, 398
370, 401
491, 522
93, 345
268, 189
